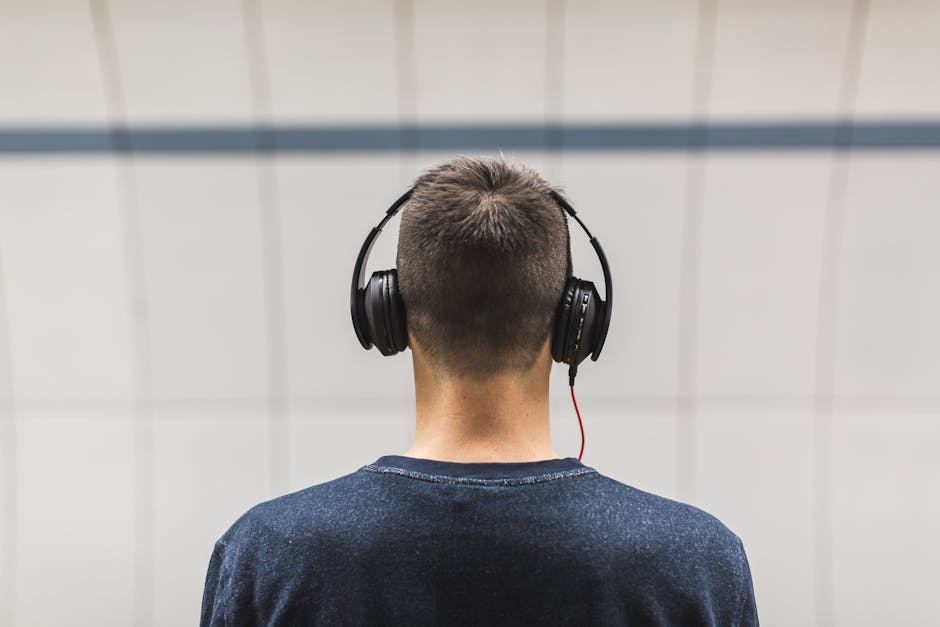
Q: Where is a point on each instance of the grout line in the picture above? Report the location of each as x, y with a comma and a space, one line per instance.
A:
272, 251
554, 85
688, 311
827, 321
27, 409
407, 64
144, 465
9, 495
686, 409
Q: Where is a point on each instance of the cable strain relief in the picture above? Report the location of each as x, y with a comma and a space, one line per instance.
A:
572, 373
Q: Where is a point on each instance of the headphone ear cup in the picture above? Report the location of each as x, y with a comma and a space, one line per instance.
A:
398, 328
385, 312
576, 322
562, 316
360, 318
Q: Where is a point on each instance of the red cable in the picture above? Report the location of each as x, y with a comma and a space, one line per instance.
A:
580, 424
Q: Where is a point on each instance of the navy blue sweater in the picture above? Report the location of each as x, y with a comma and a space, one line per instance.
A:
408, 541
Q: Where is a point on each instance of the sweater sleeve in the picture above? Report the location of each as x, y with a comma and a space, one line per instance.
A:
748, 605
214, 593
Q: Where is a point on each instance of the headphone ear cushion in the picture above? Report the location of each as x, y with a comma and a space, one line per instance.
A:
576, 322
398, 328
562, 316
385, 312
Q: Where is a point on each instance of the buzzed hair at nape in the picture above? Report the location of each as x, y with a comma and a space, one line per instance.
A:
483, 257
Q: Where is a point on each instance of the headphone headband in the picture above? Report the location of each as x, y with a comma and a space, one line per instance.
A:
357, 290
608, 296
358, 287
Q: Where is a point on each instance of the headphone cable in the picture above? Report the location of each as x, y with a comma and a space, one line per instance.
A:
580, 424
572, 373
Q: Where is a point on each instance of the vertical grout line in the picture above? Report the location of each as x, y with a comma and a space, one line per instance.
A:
407, 66
407, 157
9, 496
829, 285
144, 466
686, 409
272, 249
554, 85
553, 118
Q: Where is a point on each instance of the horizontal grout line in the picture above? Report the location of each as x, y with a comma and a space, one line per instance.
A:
261, 405
828, 134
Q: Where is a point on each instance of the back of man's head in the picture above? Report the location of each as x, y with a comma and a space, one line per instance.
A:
483, 256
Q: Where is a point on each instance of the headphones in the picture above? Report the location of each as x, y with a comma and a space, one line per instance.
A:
581, 319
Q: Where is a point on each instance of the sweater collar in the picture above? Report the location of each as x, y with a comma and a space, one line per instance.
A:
479, 470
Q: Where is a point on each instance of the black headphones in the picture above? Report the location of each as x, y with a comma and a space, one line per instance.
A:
581, 320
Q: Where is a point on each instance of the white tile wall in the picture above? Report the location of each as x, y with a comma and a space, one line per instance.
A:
202, 250
182, 61
64, 280
6, 366
754, 472
210, 468
779, 59
474, 65
328, 206
899, 60
8, 447
759, 272
50, 70
634, 204
334, 438
333, 61
75, 523
886, 512
609, 47
887, 342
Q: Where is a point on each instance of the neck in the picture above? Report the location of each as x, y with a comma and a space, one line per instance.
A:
502, 419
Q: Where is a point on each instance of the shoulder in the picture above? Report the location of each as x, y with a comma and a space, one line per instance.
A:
659, 512
297, 514
274, 548
671, 531
681, 548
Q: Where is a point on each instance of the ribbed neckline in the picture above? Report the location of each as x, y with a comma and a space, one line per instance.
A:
538, 470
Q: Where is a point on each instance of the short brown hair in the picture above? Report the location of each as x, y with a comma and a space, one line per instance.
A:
483, 257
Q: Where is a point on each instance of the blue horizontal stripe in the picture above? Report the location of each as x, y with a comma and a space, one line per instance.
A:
721, 136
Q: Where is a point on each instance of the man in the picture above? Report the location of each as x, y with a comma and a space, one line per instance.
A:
480, 522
